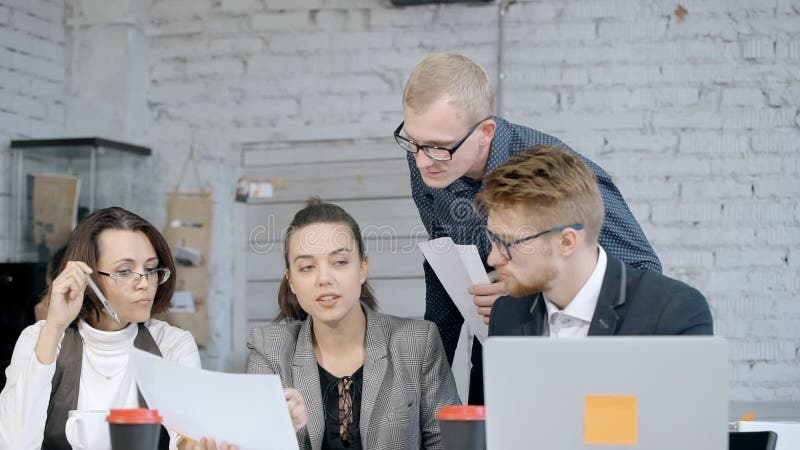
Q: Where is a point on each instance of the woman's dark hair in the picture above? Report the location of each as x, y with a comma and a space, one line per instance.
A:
83, 246
318, 212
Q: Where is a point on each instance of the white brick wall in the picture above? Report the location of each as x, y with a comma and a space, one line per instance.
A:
696, 119
33, 59
717, 180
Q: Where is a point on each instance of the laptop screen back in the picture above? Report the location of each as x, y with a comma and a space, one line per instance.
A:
654, 393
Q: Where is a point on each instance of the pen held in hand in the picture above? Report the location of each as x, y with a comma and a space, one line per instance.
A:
103, 299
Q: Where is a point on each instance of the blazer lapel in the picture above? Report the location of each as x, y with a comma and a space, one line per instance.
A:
305, 374
375, 363
535, 326
612, 296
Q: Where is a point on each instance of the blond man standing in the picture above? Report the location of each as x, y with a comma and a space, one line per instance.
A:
448, 114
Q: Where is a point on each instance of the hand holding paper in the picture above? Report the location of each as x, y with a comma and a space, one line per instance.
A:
458, 267
487, 294
297, 408
247, 410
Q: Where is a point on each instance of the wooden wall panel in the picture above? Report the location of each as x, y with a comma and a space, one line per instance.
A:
369, 179
401, 296
388, 258
277, 153
336, 181
393, 218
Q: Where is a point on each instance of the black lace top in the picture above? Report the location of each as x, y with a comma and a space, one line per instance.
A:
342, 400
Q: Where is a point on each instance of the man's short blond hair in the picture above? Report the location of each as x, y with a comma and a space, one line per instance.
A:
551, 184
455, 78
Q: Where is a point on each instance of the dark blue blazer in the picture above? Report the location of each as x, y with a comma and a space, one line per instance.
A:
631, 302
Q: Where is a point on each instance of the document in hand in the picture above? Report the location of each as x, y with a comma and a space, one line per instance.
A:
246, 410
457, 267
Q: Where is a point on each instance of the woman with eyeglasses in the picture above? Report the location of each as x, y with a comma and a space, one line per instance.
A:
360, 379
77, 358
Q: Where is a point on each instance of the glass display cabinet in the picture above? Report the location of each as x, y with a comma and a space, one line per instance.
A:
72, 177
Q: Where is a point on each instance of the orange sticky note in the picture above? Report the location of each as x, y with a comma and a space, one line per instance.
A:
610, 419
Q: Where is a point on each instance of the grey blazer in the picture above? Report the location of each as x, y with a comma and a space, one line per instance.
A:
406, 379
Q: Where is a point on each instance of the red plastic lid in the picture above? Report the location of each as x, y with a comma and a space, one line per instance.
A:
133, 416
459, 412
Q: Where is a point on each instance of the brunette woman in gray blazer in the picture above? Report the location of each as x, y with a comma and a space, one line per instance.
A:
366, 380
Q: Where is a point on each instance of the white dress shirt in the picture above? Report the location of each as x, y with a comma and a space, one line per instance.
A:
575, 319
106, 381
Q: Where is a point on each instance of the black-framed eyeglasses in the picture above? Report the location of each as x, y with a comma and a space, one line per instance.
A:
505, 247
433, 151
159, 276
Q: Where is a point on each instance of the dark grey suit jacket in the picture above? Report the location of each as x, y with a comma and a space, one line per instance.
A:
406, 379
631, 302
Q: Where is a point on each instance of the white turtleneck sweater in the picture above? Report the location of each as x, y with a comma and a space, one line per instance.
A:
105, 382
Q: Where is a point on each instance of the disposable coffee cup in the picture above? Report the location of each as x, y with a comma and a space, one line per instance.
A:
463, 427
134, 429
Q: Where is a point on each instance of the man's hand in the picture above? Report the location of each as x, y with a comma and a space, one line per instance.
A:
486, 294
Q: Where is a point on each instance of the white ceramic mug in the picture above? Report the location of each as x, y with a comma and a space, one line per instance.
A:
88, 430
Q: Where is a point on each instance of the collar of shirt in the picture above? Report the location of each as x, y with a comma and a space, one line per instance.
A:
108, 343
498, 154
499, 151
582, 306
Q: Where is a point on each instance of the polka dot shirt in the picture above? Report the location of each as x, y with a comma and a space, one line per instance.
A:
448, 212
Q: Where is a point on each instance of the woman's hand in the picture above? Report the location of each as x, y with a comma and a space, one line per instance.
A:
66, 299
297, 408
297, 411
210, 444
66, 294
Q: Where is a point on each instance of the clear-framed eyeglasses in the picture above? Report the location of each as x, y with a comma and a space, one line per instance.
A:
157, 276
434, 152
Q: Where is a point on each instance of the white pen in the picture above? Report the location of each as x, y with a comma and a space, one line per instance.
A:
103, 299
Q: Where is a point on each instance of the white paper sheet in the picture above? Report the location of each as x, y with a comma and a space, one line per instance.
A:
457, 267
246, 410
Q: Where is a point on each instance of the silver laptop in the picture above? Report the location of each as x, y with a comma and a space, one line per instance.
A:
606, 393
